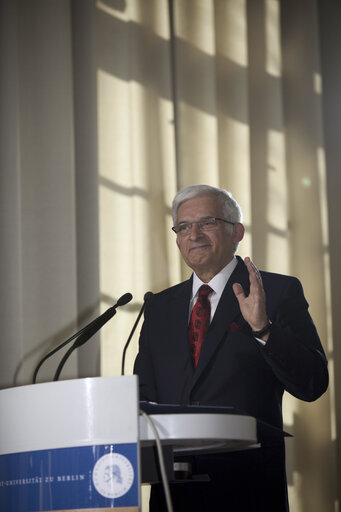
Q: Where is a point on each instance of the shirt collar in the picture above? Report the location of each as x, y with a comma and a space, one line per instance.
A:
218, 282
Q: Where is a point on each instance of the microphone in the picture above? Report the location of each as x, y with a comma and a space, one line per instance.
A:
146, 298
93, 328
110, 312
122, 301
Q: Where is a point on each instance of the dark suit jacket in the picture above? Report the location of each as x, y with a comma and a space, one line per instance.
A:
233, 368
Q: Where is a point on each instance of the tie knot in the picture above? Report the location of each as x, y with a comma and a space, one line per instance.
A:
204, 291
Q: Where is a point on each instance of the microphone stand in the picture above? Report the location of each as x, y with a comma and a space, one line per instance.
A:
91, 327
97, 324
147, 296
49, 354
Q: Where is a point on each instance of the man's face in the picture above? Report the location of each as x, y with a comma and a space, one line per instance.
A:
207, 252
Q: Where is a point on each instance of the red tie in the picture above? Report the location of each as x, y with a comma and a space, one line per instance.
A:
199, 322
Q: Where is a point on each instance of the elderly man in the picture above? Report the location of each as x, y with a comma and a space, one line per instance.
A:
229, 336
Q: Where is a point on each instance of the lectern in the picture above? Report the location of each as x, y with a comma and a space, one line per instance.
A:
75, 445
70, 446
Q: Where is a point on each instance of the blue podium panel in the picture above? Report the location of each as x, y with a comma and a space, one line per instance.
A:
103, 476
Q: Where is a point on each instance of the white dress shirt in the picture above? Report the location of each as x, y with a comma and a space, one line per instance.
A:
217, 283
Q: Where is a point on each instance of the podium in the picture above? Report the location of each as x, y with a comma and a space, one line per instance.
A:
70, 446
191, 430
76, 445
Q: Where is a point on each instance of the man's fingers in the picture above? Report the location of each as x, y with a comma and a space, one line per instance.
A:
254, 274
238, 291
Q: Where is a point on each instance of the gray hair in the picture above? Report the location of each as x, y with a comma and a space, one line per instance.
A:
230, 208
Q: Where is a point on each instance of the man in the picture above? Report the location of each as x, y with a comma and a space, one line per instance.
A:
257, 340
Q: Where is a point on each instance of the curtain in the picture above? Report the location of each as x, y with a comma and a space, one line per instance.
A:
108, 107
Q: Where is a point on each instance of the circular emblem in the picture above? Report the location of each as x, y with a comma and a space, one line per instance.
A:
113, 475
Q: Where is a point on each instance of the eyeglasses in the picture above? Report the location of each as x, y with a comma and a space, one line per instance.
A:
206, 224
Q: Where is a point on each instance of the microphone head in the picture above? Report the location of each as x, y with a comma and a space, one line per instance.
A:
147, 296
124, 299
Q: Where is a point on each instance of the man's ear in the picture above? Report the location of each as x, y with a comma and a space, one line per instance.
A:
177, 243
238, 232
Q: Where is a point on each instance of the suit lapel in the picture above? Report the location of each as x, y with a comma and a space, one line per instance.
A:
177, 331
227, 311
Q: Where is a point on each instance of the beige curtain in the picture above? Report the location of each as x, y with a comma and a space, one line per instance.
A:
108, 107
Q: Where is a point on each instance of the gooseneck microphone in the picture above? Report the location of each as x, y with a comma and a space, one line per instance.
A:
91, 328
146, 298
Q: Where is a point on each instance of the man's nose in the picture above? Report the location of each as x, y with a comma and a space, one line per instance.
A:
195, 232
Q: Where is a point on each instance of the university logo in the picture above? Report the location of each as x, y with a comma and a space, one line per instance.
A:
113, 475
